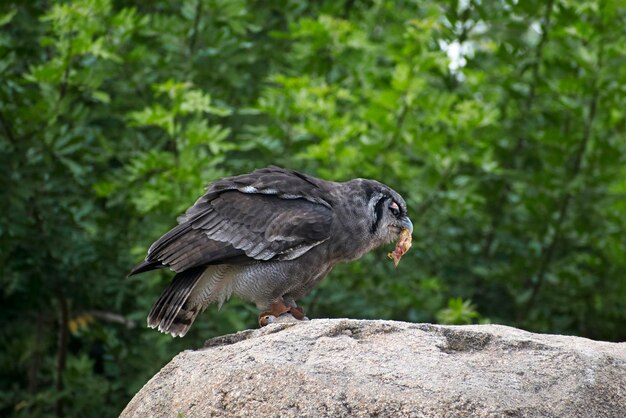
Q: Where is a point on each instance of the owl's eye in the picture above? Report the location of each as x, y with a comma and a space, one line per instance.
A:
394, 208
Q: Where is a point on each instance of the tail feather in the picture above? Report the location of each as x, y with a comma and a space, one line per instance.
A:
170, 313
172, 300
145, 266
175, 294
182, 294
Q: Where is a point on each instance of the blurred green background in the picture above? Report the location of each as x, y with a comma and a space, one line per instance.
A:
501, 122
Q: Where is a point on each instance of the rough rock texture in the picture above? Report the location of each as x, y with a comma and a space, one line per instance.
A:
341, 368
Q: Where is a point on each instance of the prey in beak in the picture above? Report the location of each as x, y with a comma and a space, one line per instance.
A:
404, 242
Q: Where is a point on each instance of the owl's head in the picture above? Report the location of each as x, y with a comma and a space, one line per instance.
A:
388, 214
385, 211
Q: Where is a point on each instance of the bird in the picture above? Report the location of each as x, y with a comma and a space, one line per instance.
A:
269, 237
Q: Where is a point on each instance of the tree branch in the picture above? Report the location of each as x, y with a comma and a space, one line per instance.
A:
107, 316
35, 363
564, 205
545, 25
66, 72
194, 31
61, 351
528, 105
8, 130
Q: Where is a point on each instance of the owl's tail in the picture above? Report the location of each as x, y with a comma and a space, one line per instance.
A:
171, 313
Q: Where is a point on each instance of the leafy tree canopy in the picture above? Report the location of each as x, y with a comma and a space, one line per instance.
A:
501, 122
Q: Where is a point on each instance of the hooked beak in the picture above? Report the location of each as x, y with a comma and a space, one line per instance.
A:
405, 223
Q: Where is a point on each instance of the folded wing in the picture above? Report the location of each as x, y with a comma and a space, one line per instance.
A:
269, 214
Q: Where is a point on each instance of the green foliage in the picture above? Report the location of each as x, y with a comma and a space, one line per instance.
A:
502, 123
458, 312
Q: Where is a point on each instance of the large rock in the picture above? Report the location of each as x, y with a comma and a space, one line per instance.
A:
341, 368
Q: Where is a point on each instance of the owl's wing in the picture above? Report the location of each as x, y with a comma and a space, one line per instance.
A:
268, 214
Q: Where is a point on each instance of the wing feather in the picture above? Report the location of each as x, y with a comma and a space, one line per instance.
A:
268, 214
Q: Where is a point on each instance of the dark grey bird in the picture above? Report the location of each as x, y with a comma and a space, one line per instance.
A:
268, 237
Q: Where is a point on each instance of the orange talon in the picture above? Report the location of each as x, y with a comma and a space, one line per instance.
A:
277, 309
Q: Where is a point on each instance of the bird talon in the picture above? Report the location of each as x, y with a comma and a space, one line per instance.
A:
278, 309
266, 320
297, 312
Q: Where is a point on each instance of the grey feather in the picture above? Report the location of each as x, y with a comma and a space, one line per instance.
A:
269, 235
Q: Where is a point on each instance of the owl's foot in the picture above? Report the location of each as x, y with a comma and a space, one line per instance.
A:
277, 309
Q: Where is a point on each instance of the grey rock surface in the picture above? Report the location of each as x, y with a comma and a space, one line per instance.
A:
358, 368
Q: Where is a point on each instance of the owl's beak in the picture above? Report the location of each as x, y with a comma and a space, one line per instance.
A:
405, 223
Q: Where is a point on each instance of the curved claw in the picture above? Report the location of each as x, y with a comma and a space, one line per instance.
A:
297, 312
266, 320
276, 310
